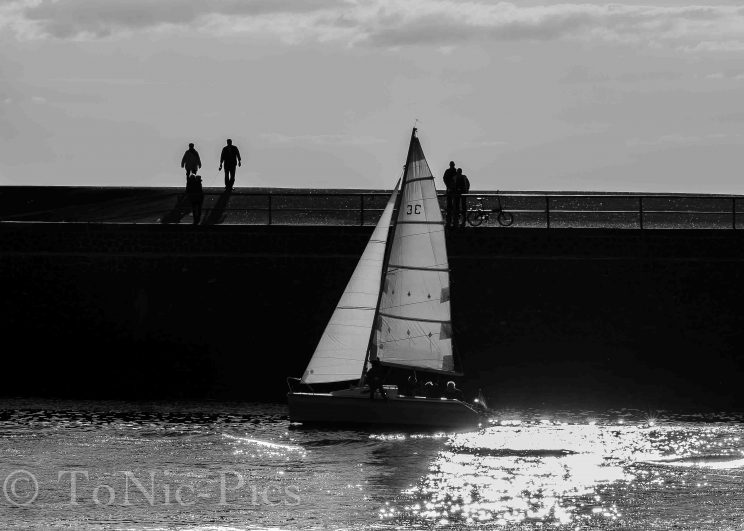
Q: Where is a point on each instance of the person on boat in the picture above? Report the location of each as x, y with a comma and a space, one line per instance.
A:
195, 194
462, 186
375, 379
452, 392
191, 161
449, 182
430, 390
230, 158
411, 387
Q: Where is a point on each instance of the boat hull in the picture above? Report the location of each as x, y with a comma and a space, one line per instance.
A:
356, 408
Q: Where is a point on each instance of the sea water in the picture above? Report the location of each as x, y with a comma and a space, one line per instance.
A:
142, 466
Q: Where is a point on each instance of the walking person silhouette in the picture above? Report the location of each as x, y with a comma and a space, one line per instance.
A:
230, 158
191, 161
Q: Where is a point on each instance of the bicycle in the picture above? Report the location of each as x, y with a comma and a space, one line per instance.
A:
478, 215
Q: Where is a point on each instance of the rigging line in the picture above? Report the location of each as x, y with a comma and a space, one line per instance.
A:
421, 222
354, 308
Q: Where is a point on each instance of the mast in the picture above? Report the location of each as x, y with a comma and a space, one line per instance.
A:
386, 259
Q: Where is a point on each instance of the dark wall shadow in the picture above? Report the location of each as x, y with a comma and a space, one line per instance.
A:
178, 211
217, 212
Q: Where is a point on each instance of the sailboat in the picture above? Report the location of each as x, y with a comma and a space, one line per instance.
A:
395, 309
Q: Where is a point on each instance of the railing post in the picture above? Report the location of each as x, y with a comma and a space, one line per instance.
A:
547, 211
733, 213
361, 210
640, 212
269, 196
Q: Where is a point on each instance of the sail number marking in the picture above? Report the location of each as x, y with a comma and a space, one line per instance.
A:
413, 209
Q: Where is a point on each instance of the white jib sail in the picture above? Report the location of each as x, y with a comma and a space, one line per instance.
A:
342, 349
414, 328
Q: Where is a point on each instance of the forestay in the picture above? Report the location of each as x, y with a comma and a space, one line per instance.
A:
342, 349
413, 328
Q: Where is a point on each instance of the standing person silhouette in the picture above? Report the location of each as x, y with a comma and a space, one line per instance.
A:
462, 186
195, 192
449, 181
230, 158
191, 161
452, 392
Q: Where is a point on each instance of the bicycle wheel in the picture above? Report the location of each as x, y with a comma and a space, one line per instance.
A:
475, 218
505, 218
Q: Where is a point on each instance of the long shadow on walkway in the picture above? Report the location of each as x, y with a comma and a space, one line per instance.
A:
217, 212
179, 210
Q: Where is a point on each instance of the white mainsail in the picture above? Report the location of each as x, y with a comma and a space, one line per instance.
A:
413, 328
342, 349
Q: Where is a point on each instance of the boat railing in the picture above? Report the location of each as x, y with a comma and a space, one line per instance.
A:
529, 209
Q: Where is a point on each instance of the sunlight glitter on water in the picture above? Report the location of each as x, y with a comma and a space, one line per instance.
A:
278, 447
530, 470
267, 451
542, 471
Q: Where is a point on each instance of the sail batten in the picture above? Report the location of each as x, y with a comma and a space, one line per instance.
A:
397, 266
418, 319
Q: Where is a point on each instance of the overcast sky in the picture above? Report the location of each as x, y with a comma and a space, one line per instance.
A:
323, 93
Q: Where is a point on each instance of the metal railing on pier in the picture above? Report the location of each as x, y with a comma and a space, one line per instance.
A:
529, 210
363, 208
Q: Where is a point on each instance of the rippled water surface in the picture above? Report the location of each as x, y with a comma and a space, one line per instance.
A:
114, 465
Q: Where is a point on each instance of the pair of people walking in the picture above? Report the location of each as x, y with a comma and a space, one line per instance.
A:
229, 158
457, 184
191, 162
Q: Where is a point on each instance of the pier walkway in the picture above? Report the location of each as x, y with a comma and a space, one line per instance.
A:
253, 206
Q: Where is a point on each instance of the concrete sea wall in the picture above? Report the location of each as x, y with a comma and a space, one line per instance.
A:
558, 317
